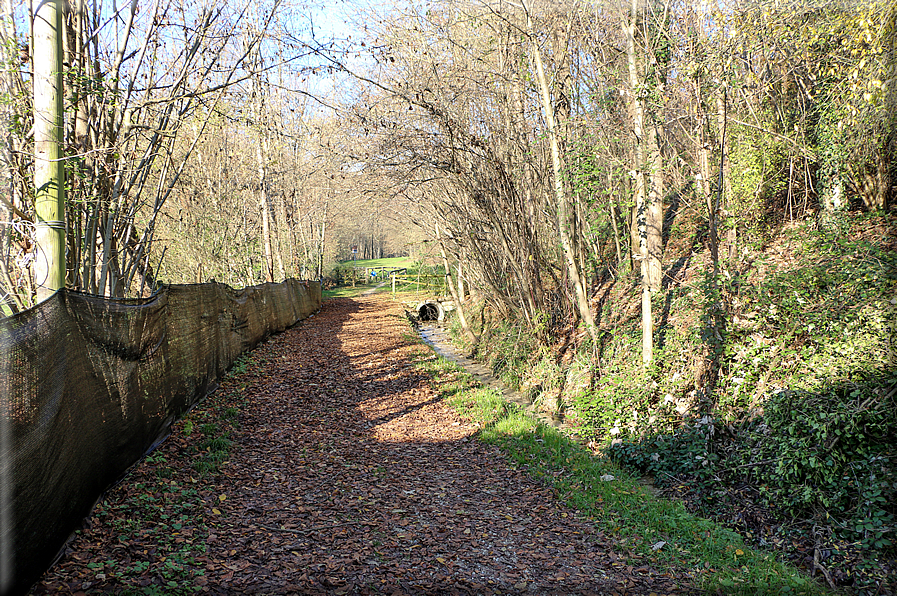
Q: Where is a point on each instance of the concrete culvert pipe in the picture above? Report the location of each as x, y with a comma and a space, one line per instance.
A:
430, 311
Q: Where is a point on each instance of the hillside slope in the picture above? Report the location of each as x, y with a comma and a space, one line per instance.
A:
770, 403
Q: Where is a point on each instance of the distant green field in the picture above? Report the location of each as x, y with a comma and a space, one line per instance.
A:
349, 291
394, 262
423, 280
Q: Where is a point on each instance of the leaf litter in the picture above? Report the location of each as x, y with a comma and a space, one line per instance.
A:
346, 475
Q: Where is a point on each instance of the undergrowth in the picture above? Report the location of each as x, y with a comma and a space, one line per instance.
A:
780, 423
163, 500
648, 530
822, 462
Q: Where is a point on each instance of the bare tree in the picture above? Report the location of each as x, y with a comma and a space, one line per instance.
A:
566, 209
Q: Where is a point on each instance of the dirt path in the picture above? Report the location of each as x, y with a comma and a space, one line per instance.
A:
348, 476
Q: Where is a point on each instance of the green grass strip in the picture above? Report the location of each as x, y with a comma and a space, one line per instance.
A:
403, 291
387, 262
717, 559
350, 292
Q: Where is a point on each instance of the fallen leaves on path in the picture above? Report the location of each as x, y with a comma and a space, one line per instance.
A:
346, 476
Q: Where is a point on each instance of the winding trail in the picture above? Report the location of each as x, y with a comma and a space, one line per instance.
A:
349, 476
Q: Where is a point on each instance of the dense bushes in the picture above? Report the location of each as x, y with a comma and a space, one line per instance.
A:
830, 457
825, 461
832, 453
787, 411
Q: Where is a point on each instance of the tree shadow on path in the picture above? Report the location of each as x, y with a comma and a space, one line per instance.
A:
376, 487
348, 476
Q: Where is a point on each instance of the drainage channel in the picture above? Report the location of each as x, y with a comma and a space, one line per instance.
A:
435, 336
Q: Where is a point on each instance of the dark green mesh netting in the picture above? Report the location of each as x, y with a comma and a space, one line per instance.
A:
89, 385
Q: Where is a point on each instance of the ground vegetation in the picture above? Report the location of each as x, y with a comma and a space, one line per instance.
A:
672, 223
718, 182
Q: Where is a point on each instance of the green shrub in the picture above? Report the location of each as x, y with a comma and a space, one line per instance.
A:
829, 456
833, 455
619, 405
672, 458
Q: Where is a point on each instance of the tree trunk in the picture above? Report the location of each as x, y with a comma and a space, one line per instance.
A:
702, 149
654, 207
566, 212
461, 294
8, 56
725, 183
10, 203
320, 263
640, 209
613, 221
261, 153
455, 294
49, 174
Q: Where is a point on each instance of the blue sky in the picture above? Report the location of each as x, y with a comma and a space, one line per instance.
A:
343, 22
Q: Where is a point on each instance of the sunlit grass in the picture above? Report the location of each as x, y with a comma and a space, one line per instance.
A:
404, 291
649, 530
392, 262
350, 292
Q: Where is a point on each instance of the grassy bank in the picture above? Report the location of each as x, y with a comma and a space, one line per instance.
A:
649, 531
779, 422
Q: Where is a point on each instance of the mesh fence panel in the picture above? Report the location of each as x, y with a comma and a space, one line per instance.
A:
89, 385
